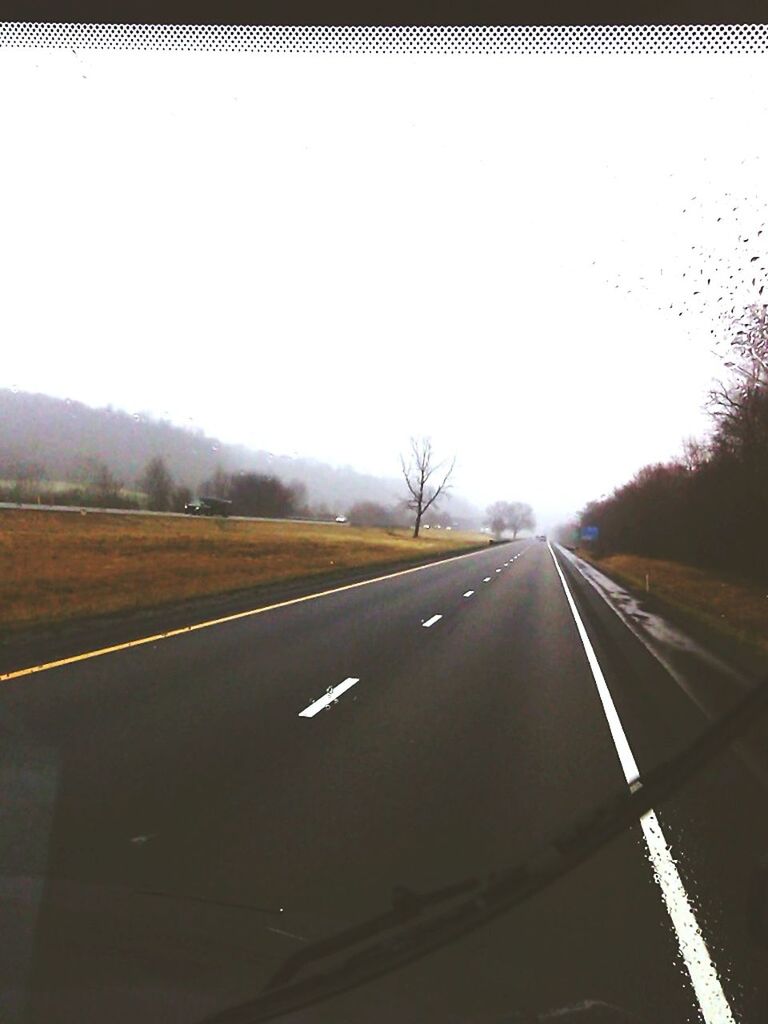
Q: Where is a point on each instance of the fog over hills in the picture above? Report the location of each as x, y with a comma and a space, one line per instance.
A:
53, 435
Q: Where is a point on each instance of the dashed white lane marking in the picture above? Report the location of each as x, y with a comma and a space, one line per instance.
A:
498, 570
333, 693
469, 593
169, 634
432, 621
693, 949
487, 579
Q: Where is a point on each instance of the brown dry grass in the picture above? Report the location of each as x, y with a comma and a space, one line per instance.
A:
728, 606
61, 565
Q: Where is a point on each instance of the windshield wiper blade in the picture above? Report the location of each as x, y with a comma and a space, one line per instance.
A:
419, 934
406, 907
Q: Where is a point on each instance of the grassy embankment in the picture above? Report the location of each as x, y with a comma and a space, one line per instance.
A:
56, 566
728, 611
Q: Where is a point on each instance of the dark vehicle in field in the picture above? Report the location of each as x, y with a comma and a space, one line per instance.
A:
208, 507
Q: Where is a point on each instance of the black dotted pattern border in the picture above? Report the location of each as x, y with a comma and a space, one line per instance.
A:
572, 40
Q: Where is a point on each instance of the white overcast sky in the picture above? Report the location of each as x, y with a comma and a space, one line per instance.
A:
321, 255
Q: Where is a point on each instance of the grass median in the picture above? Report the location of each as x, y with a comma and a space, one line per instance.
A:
724, 609
58, 566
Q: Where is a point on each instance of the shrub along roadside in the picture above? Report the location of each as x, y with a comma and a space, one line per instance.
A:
709, 508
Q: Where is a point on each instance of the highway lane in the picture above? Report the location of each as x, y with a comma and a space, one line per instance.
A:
186, 768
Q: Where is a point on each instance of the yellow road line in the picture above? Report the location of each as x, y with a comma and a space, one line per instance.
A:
7, 676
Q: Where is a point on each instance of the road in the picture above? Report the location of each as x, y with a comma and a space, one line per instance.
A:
30, 507
185, 814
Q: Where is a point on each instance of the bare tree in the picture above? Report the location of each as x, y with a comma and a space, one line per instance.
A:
750, 347
181, 496
96, 475
219, 485
157, 482
695, 454
509, 515
299, 498
747, 362
105, 483
496, 516
419, 474
519, 517
370, 513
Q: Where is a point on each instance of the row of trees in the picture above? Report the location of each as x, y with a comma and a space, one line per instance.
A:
509, 516
709, 506
258, 494
91, 483
427, 480
94, 484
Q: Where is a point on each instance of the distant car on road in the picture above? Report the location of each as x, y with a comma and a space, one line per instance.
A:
341, 519
208, 507
541, 536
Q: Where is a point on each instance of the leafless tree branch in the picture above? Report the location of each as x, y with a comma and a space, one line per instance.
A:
417, 474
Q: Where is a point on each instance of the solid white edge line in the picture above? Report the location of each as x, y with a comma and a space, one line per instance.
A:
628, 763
328, 698
698, 962
693, 949
432, 621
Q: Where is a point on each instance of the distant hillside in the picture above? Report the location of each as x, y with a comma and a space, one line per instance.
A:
56, 435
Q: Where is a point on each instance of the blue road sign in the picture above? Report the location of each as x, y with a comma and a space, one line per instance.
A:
589, 533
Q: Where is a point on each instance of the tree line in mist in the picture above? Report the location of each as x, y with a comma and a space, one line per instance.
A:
61, 452
709, 506
94, 485
63, 449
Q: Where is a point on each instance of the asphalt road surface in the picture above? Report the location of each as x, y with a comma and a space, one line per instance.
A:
181, 816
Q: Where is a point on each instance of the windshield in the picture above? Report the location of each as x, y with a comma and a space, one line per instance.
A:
383, 488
